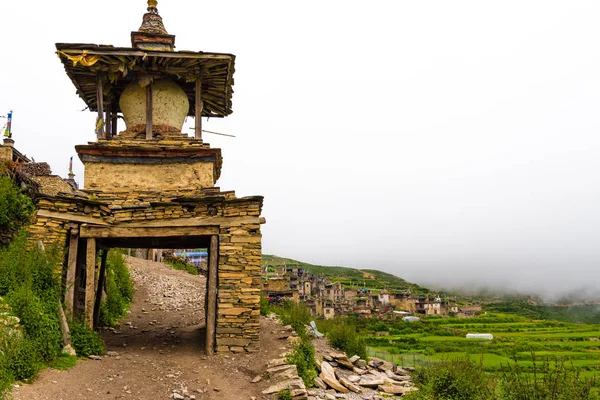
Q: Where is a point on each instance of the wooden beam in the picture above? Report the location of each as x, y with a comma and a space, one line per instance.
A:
199, 107
104, 232
211, 293
71, 270
149, 112
100, 287
194, 221
70, 217
100, 101
90, 272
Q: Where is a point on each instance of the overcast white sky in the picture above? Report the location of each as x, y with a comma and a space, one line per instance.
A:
453, 142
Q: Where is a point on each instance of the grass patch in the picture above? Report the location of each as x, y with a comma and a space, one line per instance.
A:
119, 289
303, 355
181, 265
63, 362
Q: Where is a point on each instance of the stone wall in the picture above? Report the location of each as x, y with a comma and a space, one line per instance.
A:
238, 311
100, 175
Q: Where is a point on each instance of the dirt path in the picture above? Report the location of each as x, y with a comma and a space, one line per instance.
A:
158, 350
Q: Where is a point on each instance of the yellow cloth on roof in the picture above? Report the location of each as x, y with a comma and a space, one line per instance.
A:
83, 58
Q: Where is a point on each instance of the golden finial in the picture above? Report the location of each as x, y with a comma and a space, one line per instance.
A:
152, 4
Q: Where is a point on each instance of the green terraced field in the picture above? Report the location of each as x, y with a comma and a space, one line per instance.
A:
518, 341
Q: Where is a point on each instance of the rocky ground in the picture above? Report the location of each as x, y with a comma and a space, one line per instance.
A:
341, 377
158, 353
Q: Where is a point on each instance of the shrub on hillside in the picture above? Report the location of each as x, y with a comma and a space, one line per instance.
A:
15, 207
39, 320
264, 305
457, 379
303, 357
119, 289
553, 380
295, 314
30, 289
343, 335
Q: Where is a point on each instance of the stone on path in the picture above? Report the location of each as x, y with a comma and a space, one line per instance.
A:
328, 376
291, 384
350, 385
394, 389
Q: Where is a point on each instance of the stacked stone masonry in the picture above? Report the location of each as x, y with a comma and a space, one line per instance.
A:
240, 254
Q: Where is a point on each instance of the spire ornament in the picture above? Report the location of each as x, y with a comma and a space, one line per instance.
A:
152, 34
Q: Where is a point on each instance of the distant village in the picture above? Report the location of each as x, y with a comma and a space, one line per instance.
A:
328, 299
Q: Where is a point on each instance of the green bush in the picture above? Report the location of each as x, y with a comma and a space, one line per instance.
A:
85, 341
303, 357
39, 321
295, 314
343, 335
119, 289
15, 207
457, 379
31, 290
24, 362
285, 394
553, 380
264, 305
181, 265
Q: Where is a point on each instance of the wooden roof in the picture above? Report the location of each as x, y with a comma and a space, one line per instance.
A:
84, 62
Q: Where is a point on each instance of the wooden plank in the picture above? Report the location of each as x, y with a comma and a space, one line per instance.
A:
104, 232
71, 217
149, 112
90, 272
100, 286
198, 109
194, 221
137, 53
71, 270
100, 100
211, 293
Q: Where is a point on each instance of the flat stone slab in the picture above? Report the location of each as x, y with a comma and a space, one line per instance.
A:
394, 389
328, 376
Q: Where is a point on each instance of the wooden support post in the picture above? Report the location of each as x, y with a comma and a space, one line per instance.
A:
114, 120
101, 280
100, 104
211, 294
199, 108
149, 112
90, 272
71, 271
108, 120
